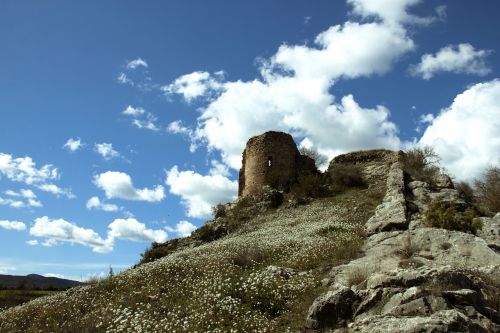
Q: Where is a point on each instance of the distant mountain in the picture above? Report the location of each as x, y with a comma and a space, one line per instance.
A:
35, 281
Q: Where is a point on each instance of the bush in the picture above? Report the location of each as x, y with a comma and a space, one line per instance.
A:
219, 210
319, 159
250, 257
209, 232
310, 186
422, 164
465, 192
344, 176
488, 191
447, 215
156, 251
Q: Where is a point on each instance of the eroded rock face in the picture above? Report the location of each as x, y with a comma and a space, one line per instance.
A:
391, 214
413, 278
442, 321
333, 309
490, 231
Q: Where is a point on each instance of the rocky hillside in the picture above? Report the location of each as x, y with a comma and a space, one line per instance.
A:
358, 257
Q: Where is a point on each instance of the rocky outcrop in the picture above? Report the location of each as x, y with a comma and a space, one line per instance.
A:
413, 278
391, 214
490, 231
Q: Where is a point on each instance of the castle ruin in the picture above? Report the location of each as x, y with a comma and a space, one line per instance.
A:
271, 159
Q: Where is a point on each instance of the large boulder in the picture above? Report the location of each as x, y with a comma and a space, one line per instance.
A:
333, 309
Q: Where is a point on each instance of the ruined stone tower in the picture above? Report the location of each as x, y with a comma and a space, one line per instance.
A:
271, 159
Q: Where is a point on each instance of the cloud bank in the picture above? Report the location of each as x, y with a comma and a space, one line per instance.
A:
466, 135
56, 231
462, 58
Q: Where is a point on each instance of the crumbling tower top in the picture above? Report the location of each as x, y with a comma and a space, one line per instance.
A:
271, 159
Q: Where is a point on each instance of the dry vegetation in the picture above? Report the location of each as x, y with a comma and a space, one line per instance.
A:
421, 164
488, 191
261, 277
448, 215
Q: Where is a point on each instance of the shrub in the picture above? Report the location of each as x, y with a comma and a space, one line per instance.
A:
488, 191
359, 275
219, 210
344, 176
156, 251
310, 186
422, 164
250, 257
447, 215
319, 159
465, 192
209, 232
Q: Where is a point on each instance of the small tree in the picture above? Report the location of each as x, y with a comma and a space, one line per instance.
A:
318, 158
422, 163
465, 192
488, 190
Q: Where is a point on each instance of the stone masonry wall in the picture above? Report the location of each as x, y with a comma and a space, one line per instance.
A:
271, 159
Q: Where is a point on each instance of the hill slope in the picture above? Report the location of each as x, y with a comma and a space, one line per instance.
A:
350, 261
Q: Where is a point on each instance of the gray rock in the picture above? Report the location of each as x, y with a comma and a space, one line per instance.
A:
333, 309
464, 296
401, 298
442, 321
391, 213
373, 297
490, 231
481, 320
422, 306
443, 181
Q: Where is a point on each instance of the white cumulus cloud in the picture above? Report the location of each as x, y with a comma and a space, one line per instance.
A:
106, 150
195, 84
139, 62
56, 190
23, 198
131, 229
61, 230
141, 118
119, 185
294, 93
466, 135
462, 58
393, 11
57, 231
200, 193
12, 225
23, 169
73, 144
95, 203
183, 228
133, 111
124, 79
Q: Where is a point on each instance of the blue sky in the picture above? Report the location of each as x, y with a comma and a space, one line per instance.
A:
123, 122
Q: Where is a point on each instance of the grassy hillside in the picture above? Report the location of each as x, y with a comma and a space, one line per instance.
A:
260, 278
